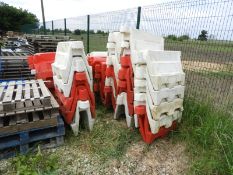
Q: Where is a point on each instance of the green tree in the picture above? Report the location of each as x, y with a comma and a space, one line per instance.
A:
203, 36
12, 18
172, 37
77, 32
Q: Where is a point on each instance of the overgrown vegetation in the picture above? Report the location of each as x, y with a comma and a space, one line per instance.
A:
208, 136
35, 164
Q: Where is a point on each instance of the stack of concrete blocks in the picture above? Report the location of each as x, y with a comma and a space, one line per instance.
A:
70, 58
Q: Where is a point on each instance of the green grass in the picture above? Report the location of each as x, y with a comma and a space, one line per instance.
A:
206, 46
219, 74
208, 135
109, 138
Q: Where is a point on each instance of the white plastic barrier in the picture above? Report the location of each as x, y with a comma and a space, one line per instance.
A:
82, 106
98, 54
165, 94
164, 88
131, 42
70, 57
122, 108
164, 69
140, 40
115, 40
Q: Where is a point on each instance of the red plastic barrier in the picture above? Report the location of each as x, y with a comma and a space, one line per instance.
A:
108, 90
44, 57
126, 81
41, 62
126, 84
30, 61
144, 126
99, 70
80, 90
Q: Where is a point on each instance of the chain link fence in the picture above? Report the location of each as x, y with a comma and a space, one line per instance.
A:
201, 29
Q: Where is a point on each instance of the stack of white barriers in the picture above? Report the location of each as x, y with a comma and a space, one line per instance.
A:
147, 82
73, 84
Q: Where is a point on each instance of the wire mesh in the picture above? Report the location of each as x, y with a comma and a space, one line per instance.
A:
102, 24
77, 29
201, 29
58, 26
208, 64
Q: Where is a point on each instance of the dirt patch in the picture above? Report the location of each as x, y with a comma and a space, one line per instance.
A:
205, 66
162, 157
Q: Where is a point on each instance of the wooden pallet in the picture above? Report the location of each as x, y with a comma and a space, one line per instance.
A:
40, 43
14, 53
24, 141
15, 68
19, 123
17, 97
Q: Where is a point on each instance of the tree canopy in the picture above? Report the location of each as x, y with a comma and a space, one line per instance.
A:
203, 36
12, 18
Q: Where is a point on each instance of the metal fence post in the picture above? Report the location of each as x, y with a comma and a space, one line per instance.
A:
88, 32
52, 28
138, 18
43, 16
65, 25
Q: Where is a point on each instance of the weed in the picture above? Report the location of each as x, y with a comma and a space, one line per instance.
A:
35, 164
208, 135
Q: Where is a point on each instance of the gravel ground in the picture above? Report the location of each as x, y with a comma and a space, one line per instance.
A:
163, 157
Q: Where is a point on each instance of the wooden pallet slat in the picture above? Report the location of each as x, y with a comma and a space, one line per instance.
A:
19, 90
45, 93
8, 97
2, 87
36, 93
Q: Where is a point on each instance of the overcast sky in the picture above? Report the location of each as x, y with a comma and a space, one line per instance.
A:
58, 9
185, 17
